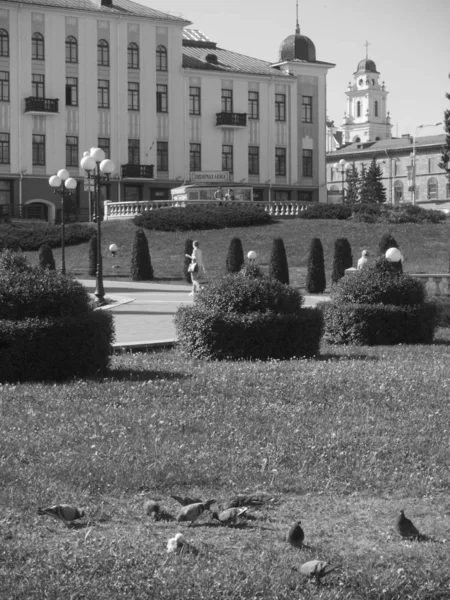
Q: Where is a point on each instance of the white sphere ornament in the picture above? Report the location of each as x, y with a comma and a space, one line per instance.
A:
393, 255
71, 183
252, 255
63, 174
113, 248
97, 154
54, 181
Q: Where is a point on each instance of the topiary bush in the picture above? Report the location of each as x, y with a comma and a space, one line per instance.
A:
188, 249
141, 264
339, 212
387, 241
278, 265
31, 236
235, 256
315, 277
93, 255
46, 259
342, 259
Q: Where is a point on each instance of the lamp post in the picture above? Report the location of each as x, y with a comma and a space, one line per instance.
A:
63, 185
98, 169
413, 159
342, 166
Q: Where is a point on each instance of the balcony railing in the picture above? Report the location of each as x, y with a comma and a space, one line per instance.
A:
224, 119
28, 212
41, 105
143, 171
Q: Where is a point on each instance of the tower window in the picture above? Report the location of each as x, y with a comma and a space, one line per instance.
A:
358, 109
376, 108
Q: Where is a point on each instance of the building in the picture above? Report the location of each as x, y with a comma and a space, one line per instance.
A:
162, 101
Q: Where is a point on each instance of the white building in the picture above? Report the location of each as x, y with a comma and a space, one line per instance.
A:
161, 100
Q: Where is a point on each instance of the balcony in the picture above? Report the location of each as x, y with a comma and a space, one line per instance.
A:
35, 105
138, 171
225, 119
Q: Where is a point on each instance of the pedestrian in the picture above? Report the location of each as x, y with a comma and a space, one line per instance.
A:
196, 266
362, 262
218, 194
230, 195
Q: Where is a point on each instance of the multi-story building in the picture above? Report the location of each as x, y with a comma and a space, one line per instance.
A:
161, 100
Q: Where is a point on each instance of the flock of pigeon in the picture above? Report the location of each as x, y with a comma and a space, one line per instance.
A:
234, 513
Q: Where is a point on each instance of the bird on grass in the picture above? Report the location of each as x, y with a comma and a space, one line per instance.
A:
296, 535
317, 569
152, 509
255, 499
231, 516
178, 545
64, 512
192, 512
185, 500
407, 529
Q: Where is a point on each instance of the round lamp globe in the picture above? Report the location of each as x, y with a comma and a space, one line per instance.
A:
393, 255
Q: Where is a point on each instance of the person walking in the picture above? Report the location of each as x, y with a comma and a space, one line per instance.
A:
196, 266
362, 262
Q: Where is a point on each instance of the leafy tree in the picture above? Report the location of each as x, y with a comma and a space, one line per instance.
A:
445, 158
315, 278
352, 184
46, 259
188, 249
278, 265
235, 256
141, 264
364, 196
93, 255
375, 188
342, 259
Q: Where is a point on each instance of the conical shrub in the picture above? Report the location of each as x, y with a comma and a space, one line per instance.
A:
141, 264
342, 259
315, 278
93, 255
46, 258
188, 249
278, 265
235, 256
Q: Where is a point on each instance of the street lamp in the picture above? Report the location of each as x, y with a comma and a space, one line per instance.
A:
252, 257
63, 185
342, 166
413, 159
98, 169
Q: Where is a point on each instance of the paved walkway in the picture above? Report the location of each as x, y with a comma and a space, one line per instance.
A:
143, 315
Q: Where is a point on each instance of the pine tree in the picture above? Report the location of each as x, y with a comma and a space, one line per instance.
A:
315, 278
46, 259
363, 186
235, 256
278, 265
352, 185
141, 264
445, 158
375, 187
93, 255
188, 249
342, 259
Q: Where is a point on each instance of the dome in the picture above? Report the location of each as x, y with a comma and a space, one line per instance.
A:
299, 47
366, 65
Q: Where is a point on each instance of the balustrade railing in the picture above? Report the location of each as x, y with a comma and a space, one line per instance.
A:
436, 284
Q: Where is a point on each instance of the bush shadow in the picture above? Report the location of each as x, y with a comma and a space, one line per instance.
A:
327, 356
142, 375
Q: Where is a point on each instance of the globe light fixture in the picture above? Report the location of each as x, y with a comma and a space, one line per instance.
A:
252, 256
393, 255
63, 185
113, 249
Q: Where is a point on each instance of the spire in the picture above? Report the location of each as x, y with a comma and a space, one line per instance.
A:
367, 49
297, 26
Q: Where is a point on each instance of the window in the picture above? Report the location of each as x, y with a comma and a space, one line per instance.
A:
161, 98
227, 158
4, 154
253, 105
253, 160
133, 152
5, 184
71, 151
133, 95
227, 101
306, 109
71, 91
194, 101
432, 189
4, 86
162, 156
307, 163
4, 42
195, 157
71, 49
105, 144
280, 107
37, 46
133, 56
103, 93
280, 161
358, 109
447, 187
38, 86
376, 108
103, 53
398, 191
38, 149
161, 58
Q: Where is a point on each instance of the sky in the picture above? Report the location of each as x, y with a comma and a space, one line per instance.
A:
409, 42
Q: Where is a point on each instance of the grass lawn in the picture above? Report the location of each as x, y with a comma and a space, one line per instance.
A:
344, 442
426, 247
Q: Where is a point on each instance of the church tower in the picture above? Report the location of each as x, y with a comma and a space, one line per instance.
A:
366, 118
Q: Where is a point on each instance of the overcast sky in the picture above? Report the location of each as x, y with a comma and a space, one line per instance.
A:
409, 42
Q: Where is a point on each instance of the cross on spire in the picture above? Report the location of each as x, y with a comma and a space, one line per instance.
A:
367, 48
297, 26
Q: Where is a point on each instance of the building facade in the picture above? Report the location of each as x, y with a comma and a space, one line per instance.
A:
161, 100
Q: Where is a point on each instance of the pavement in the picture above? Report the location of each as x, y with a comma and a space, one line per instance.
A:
143, 312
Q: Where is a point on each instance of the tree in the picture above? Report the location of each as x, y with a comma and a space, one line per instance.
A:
93, 255
375, 188
315, 278
141, 264
352, 184
46, 259
235, 256
188, 249
342, 259
278, 265
445, 157
364, 196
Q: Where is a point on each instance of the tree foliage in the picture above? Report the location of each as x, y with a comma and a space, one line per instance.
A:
352, 184
315, 278
445, 157
342, 259
375, 189
46, 258
278, 265
141, 264
235, 256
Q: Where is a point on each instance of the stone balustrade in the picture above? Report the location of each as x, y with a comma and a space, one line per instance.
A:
437, 284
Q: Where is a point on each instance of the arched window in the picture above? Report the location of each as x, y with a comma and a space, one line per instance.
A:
133, 56
358, 109
161, 58
71, 49
4, 42
103, 53
376, 108
37, 46
398, 191
357, 139
432, 189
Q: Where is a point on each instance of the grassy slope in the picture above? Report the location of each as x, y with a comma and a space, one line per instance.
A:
425, 247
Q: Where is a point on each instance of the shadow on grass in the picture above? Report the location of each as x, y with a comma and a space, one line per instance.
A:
339, 357
142, 375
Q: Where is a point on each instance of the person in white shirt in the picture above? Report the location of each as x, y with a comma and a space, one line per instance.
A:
362, 262
196, 259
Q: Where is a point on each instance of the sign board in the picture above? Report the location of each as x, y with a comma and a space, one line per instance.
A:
89, 186
210, 176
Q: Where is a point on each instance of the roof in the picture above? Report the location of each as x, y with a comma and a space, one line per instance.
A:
366, 66
119, 7
194, 37
393, 145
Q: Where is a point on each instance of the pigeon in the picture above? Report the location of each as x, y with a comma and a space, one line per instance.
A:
178, 545
296, 535
406, 528
191, 512
185, 500
256, 499
64, 512
316, 569
152, 509
230, 516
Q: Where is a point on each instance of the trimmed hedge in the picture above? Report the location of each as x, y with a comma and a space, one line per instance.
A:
373, 213
340, 212
208, 334
31, 236
203, 216
55, 349
379, 324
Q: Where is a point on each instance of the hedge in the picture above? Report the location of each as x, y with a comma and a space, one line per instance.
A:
31, 236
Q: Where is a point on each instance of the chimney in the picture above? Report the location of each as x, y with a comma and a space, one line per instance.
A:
107, 3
